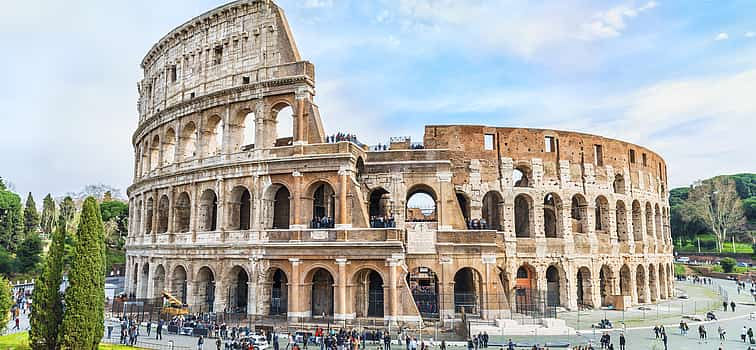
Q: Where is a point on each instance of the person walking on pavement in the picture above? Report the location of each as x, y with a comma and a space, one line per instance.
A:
200, 342
218, 344
622, 341
149, 327
732, 305
159, 330
743, 333
724, 305
664, 339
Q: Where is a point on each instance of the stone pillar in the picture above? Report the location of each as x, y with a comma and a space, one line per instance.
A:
193, 209
220, 218
296, 199
393, 299
171, 199
155, 205
221, 295
294, 309
444, 186
344, 220
341, 300
299, 122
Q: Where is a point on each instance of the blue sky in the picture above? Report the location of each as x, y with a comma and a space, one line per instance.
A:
676, 76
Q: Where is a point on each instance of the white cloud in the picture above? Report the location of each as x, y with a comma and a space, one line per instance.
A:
318, 3
611, 23
750, 34
722, 36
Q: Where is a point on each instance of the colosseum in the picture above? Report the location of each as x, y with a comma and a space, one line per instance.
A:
243, 203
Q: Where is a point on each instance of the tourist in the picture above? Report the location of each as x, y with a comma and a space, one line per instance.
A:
656, 331
622, 341
200, 342
722, 333
149, 327
732, 305
743, 333
159, 330
724, 305
750, 336
664, 339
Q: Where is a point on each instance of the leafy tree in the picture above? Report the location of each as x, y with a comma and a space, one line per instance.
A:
28, 254
31, 216
49, 215
83, 321
67, 210
118, 212
749, 206
6, 300
7, 262
728, 264
716, 203
47, 313
11, 219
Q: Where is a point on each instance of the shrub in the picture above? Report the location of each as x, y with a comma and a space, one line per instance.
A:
728, 264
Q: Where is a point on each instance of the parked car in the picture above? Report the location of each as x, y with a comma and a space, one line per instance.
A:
683, 259
259, 341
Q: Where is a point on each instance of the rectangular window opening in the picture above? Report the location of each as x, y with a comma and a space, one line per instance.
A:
173, 73
217, 54
632, 156
598, 155
488, 142
644, 160
549, 144
245, 80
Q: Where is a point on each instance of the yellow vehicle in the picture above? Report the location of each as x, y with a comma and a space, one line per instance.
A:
173, 306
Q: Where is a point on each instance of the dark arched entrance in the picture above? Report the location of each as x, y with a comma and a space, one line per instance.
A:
321, 302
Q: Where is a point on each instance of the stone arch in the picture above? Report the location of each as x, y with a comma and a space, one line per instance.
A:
552, 216
208, 211
169, 147
320, 202
601, 214
522, 176
492, 209
368, 293
321, 282
182, 212
658, 223
626, 281
619, 184
155, 153
277, 206
240, 208
188, 141
204, 283
421, 203
279, 294
620, 214
138, 218
650, 231
423, 283
463, 201
579, 213
584, 287
283, 113
212, 136
145, 158
525, 289
606, 285
379, 207
237, 281
145, 278
640, 283
637, 221
556, 286
653, 283
468, 284
523, 214
178, 283
158, 282
359, 169
149, 210
162, 212
242, 130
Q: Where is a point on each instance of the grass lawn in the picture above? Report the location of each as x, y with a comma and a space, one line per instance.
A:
708, 245
20, 341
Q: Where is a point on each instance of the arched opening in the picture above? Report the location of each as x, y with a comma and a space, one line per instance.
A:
182, 214
464, 205
653, 283
423, 283
491, 211
178, 283
155, 153
248, 131
212, 136
145, 164
279, 293
145, 277
602, 214
522, 212
552, 287
238, 290
138, 218
379, 208
169, 147
321, 297
240, 208
579, 214
421, 204
637, 222
359, 168
625, 281
281, 208
163, 206
158, 282
521, 176
640, 283
584, 290
525, 289
619, 184
467, 286
650, 231
135, 279
606, 285
658, 223
205, 285
284, 125
621, 221
323, 199
188, 141
552, 216
208, 211
149, 210
368, 294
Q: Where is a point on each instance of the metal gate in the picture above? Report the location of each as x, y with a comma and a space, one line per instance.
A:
375, 303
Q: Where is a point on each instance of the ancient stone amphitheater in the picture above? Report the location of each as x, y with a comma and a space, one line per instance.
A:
231, 212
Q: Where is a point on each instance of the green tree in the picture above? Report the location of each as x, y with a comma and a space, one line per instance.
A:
6, 300
49, 215
7, 262
11, 219
115, 212
83, 321
31, 216
728, 264
28, 253
716, 202
47, 312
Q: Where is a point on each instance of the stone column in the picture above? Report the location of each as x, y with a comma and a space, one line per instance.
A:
296, 198
155, 205
344, 220
294, 308
393, 297
220, 190
444, 185
299, 133
171, 198
341, 301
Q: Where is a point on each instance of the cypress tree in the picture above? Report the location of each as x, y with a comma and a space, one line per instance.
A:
49, 216
31, 216
83, 319
47, 313
6, 300
11, 219
67, 211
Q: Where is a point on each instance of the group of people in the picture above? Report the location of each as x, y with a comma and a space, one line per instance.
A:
732, 305
606, 341
661, 334
382, 221
322, 222
340, 136
479, 341
477, 224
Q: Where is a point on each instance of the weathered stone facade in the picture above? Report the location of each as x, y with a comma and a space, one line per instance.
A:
224, 223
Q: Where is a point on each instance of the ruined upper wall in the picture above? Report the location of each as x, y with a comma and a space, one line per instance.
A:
231, 45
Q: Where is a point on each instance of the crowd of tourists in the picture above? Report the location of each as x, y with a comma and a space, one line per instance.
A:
425, 298
382, 222
341, 136
477, 224
322, 222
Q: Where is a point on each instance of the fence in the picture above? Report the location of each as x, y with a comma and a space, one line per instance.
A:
150, 345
